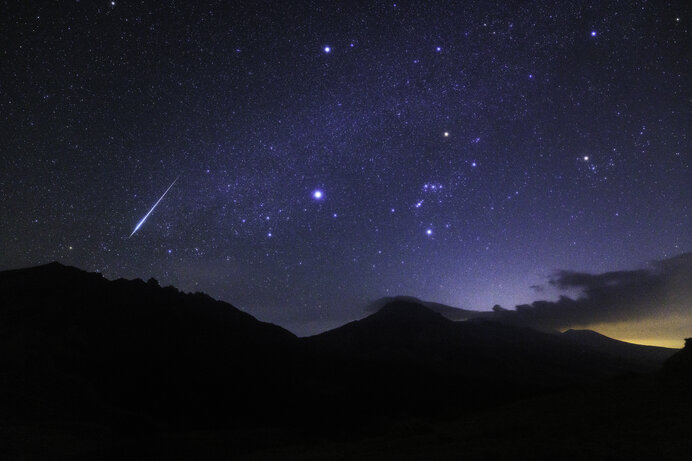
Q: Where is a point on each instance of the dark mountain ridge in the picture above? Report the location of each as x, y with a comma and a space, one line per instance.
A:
405, 331
140, 361
129, 345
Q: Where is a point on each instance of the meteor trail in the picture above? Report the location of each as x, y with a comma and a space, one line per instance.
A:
139, 224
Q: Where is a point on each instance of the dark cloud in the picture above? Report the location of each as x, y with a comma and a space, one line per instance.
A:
538, 288
663, 290
645, 304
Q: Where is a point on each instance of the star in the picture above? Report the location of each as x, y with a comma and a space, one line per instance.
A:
593, 33
586, 158
327, 49
446, 134
428, 232
317, 194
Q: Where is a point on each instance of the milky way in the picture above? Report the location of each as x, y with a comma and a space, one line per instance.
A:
334, 153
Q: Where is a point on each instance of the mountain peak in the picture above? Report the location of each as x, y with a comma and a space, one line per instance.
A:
396, 322
409, 311
584, 334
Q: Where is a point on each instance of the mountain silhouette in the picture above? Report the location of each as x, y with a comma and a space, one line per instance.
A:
405, 330
83, 344
452, 313
100, 368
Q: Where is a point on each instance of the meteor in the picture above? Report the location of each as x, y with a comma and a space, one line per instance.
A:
139, 224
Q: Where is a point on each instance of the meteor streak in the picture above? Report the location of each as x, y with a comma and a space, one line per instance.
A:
139, 224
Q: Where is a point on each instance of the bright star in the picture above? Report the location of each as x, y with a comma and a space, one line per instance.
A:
593, 33
446, 134
317, 195
586, 158
327, 49
429, 231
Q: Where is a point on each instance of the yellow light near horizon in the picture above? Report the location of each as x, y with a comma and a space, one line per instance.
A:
666, 331
658, 342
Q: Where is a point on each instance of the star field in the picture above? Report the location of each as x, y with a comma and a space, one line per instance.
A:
333, 153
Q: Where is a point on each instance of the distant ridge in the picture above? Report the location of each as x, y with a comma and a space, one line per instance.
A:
650, 356
452, 313
407, 330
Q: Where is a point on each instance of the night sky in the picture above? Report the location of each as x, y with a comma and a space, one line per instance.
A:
332, 153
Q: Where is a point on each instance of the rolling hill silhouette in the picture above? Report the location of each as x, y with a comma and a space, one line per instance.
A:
99, 368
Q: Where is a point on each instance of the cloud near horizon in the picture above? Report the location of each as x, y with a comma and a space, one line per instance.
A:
648, 306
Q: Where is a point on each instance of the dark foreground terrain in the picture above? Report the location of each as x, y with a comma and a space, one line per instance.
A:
98, 369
